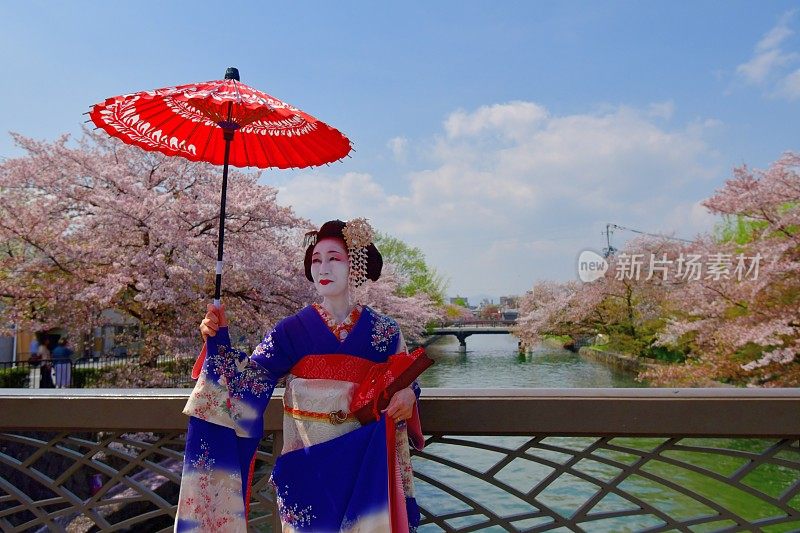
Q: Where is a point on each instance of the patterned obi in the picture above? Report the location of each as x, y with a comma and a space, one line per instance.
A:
316, 403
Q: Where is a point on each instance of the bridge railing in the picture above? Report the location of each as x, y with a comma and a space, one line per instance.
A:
464, 323
507, 459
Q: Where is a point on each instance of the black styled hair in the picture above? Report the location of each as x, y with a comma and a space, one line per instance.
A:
332, 229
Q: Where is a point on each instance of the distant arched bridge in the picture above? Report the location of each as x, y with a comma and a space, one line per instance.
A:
462, 329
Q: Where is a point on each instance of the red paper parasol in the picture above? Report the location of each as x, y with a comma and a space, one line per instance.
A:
221, 122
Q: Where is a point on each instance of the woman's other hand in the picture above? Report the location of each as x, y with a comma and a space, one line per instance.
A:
214, 319
401, 406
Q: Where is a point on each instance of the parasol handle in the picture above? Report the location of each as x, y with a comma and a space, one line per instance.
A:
228, 135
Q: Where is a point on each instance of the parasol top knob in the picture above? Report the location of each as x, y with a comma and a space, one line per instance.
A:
232, 73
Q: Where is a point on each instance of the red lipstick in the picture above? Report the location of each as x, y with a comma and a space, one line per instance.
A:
324, 281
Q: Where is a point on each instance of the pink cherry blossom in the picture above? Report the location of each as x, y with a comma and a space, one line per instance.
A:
98, 225
739, 324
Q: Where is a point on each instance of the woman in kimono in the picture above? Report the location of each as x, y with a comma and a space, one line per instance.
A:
333, 473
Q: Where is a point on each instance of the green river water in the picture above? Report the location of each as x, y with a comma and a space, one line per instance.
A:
492, 361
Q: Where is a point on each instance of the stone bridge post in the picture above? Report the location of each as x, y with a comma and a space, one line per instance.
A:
462, 341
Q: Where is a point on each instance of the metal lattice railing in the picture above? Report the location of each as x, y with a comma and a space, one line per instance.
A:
112, 481
504, 460
71, 481
608, 484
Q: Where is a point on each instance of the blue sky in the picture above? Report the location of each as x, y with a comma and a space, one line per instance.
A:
499, 137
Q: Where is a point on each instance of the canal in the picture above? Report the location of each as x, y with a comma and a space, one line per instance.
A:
682, 479
493, 361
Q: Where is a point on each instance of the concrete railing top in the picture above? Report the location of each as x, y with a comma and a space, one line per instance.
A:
619, 412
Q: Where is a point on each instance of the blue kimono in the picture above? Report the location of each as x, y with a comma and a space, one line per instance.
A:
333, 473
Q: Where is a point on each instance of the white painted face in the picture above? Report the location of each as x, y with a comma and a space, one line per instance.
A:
330, 268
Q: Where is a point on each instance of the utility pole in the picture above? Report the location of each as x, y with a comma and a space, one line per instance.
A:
608, 250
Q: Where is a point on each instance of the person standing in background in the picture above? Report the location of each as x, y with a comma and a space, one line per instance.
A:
42, 354
46, 381
62, 361
34, 347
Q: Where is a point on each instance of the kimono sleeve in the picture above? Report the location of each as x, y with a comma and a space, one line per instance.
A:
413, 424
233, 389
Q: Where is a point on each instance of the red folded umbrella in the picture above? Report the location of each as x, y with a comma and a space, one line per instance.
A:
221, 122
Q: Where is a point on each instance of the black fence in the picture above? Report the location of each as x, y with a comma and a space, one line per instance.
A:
167, 371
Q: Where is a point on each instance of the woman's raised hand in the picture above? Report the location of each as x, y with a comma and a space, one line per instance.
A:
401, 406
214, 319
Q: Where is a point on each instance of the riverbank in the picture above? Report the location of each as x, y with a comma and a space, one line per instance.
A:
556, 342
632, 364
619, 361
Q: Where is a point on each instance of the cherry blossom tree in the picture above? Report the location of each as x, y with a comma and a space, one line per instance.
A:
746, 328
727, 306
622, 304
454, 312
546, 310
102, 225
412, 313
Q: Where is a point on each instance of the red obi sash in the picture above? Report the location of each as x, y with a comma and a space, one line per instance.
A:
377, 381
333, 366
383, 380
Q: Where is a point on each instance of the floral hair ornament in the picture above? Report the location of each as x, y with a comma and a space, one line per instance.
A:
310, 238
358, 234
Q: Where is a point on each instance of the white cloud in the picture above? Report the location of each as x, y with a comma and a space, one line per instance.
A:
323, 196
762, 65
690, 219
767, 66
775, 37
512, 119
399, 148
663, 110
511, 194
790, 86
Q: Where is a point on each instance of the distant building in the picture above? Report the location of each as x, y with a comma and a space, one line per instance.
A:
510, 314
509, 302
7, 347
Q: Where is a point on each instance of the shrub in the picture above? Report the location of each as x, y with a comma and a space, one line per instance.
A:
85, 377
14, 378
